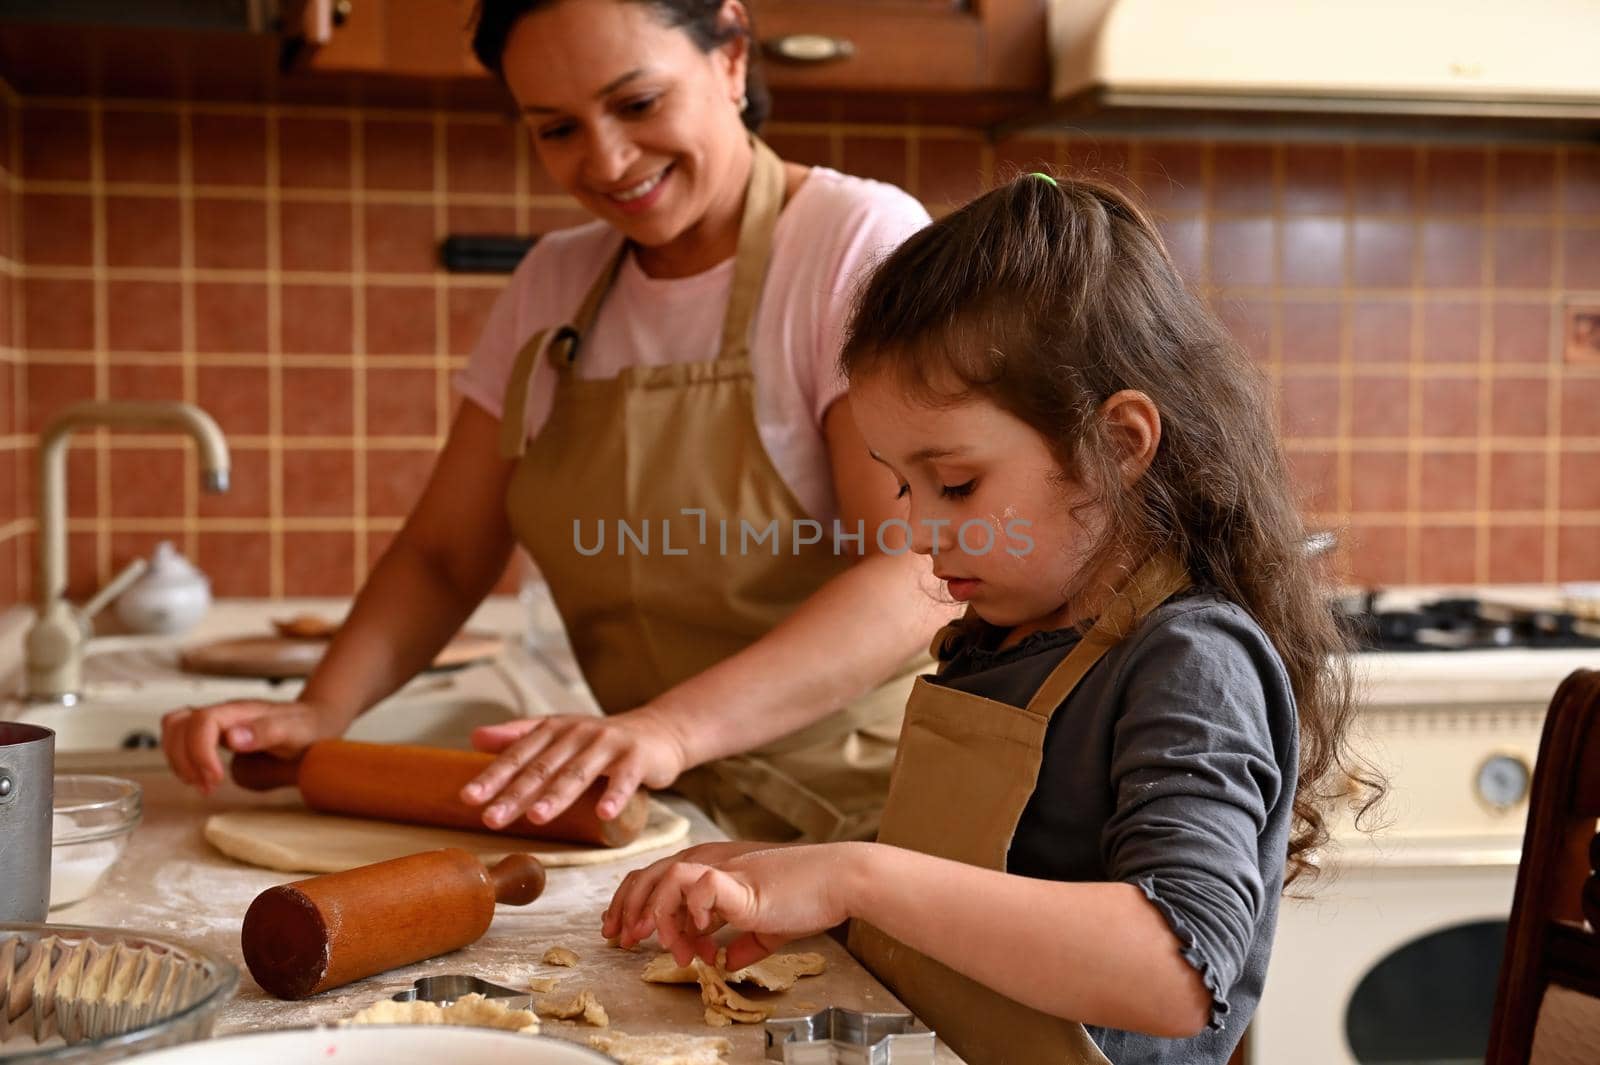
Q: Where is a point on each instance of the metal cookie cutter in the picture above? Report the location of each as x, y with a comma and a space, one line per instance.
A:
445, 989
850, 1037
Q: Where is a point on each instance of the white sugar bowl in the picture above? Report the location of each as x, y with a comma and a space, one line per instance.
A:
171, 597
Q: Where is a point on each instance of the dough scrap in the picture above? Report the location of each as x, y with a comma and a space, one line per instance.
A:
778, 972
293, 839
662, 1049
543, 985
582, 1006
664, 969
560, 956
724, 1005
469, 1011
724, 1001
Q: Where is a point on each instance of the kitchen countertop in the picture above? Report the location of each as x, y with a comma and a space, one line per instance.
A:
170, 882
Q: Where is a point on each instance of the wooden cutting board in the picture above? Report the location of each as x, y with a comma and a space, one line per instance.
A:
287, 658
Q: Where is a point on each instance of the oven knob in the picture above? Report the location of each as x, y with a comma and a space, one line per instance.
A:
1503, 781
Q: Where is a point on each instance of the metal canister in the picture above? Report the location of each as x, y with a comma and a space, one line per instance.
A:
27, 792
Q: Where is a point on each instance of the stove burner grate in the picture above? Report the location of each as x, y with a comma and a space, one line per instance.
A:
1462, 623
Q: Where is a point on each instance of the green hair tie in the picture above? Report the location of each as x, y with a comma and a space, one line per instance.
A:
1045, 177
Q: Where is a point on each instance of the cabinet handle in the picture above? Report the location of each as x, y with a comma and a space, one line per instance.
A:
808, 48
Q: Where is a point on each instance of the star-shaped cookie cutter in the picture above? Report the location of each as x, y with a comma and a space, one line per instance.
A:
850, 1037
447, 988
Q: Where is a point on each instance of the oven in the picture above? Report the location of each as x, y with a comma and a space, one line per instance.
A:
1395, 954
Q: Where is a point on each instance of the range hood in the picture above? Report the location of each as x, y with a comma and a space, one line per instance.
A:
1410, 59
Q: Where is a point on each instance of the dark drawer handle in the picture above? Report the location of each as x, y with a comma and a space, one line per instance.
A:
808, 48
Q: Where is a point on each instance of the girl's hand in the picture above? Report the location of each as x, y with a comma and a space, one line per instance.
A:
190, 736
771, 896
627, 919
547, 762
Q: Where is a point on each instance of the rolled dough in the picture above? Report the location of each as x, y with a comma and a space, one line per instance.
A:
665, 1049
468, 1011
582, 1006
297, 840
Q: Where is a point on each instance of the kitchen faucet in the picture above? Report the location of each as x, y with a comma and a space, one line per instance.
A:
54, 646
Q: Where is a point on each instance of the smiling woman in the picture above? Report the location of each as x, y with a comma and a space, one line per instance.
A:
620, 97
671, 366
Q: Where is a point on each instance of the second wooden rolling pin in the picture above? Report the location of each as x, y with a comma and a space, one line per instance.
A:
422, 786
325, 932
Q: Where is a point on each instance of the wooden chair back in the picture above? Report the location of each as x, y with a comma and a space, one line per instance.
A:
1547, 1004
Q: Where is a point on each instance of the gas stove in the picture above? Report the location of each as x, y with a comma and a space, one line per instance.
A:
1462, 623
1452, 689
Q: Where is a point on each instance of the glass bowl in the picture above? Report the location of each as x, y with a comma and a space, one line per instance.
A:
70, 993
94, 817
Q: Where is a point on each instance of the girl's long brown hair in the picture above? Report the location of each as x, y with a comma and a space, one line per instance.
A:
1048, 295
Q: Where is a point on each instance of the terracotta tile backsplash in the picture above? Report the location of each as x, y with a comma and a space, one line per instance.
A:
276, 265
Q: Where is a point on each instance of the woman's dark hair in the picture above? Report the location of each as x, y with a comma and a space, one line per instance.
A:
1047, 296
700, 19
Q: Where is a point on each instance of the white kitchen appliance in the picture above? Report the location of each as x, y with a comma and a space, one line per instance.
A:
1395, 957
1480, 58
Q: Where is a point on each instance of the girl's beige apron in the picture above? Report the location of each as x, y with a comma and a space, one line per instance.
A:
647, 612
965, 770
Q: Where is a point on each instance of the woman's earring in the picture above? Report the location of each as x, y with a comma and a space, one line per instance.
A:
744, 102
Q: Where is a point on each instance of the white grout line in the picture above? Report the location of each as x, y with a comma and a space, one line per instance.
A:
275, 363
358, 343
188, 313
102, 361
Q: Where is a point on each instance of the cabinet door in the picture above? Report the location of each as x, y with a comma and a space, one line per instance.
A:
420, 38
898, 46
937, 46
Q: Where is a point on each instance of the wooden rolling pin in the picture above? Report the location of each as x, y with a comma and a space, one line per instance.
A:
328, 931
422, 786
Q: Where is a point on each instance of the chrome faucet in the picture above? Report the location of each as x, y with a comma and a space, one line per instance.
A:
54, 647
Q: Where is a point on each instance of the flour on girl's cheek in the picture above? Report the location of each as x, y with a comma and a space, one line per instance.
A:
1007, 548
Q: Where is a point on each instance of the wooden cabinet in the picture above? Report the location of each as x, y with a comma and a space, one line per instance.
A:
940, 47
907, 46
407, 38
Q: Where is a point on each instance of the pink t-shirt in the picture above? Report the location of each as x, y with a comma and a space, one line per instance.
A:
832, 231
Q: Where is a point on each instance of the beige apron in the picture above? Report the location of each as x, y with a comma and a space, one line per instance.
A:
965, 770
677, 593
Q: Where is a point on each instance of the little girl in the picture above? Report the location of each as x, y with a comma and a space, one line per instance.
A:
1099, 798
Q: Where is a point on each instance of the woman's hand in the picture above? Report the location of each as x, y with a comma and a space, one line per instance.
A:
770, 894
547, 762
190, 736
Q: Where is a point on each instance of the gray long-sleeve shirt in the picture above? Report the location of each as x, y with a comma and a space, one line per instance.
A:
1171, 766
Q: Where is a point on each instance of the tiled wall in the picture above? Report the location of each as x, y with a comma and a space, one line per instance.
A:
12, 441
278, 268
276, 265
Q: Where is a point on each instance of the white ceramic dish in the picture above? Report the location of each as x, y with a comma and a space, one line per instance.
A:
94, 817
379, 1045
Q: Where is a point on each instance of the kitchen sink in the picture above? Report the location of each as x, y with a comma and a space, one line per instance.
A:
130, 681
129, 685
105, 725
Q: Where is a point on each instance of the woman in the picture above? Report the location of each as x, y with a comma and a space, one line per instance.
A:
611, 387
